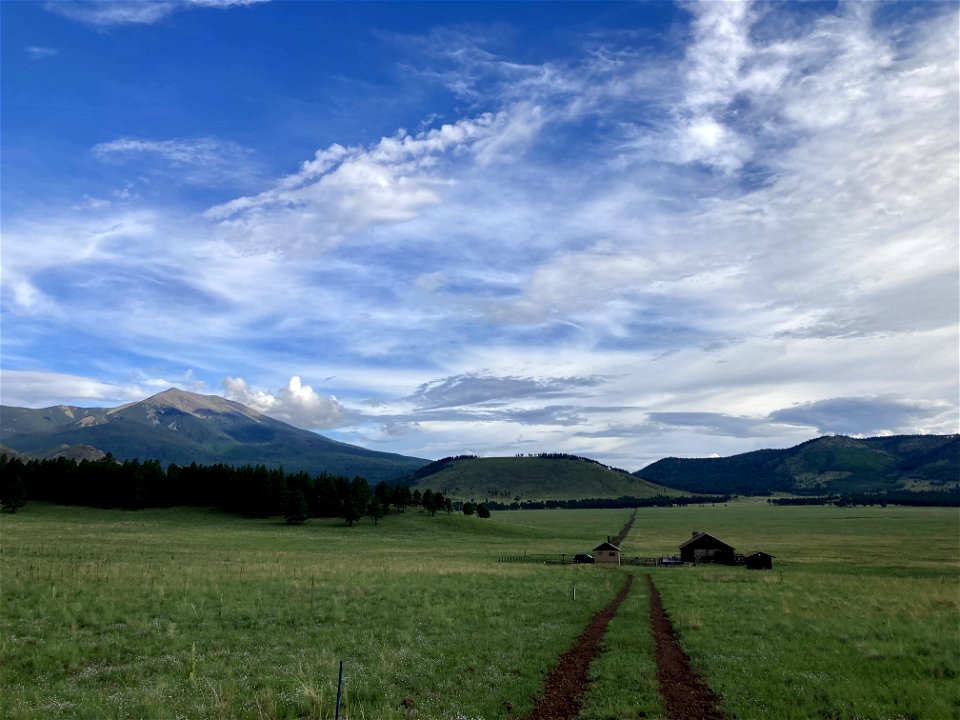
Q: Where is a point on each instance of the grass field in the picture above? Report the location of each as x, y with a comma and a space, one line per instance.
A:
860, 617
193, 614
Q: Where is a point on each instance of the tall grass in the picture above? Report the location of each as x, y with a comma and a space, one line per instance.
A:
194, 614
860, 617
187, 613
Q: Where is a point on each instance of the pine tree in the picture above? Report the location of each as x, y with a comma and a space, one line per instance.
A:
376, 509
426, 501
14, 494
294, 507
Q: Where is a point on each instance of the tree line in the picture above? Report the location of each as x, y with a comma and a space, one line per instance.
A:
908, 498
576, 458
253, 491
623, 501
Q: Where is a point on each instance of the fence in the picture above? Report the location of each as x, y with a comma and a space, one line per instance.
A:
539, 558
652, 562
568, 559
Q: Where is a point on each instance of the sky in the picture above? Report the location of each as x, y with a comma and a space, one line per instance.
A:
619, 230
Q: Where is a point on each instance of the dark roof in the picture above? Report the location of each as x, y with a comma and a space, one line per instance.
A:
606, 546
702, 537
757, 552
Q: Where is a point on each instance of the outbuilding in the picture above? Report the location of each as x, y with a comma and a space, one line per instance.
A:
607, 552
703, 547
758, 560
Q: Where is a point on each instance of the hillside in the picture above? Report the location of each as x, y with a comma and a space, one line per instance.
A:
505, 479
182, 427
834, 464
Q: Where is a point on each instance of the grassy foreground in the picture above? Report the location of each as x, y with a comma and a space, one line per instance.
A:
860, 617
194, 614
187, 613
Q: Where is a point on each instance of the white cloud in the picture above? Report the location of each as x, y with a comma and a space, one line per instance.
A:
35, 52
31, 388
297, 404
714, 77
345, 190
33, 249
204, 161
108, 13
869, 416
770, 222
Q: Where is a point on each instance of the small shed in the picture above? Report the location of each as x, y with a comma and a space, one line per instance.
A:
758, 560
703, 547
606, 552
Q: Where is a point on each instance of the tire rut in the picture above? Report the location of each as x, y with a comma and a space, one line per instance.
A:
685, 695
564, 687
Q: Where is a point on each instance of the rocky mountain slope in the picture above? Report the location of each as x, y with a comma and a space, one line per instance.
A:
181, 427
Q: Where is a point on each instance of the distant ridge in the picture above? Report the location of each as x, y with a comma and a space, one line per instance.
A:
176, 426
833, 464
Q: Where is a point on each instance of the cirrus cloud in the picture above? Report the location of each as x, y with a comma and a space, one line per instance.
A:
110, 13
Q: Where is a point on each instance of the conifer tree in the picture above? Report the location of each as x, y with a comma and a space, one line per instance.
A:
376, 509
14, 494
294, 507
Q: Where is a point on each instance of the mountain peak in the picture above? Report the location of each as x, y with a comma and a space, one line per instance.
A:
193, 403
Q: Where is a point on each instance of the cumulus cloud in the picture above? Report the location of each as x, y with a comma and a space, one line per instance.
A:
297, 404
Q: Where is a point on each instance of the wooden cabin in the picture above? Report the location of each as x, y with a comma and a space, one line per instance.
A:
703, 547
606, 552
758, 560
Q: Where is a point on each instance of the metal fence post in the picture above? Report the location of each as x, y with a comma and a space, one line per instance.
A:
339, 691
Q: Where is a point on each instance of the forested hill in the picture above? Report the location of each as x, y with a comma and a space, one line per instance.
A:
835, 464
553, 476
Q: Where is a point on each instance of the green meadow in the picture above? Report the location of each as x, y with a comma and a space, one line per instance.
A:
860, 617
189, 613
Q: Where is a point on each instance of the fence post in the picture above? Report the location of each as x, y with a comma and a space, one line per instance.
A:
339, 690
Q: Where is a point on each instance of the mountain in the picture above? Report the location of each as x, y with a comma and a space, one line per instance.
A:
545, 477
835, 464
181, 427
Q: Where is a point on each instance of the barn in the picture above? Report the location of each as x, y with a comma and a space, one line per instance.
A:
703, 547
758, 560
607, 552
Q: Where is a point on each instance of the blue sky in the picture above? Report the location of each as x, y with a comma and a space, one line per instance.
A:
621, 230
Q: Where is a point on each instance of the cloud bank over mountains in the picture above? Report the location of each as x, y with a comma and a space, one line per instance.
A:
740, 234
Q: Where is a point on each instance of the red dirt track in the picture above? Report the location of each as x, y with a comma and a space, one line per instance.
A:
564, 687
685, 696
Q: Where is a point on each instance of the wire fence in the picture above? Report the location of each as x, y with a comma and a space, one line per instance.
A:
571, 559
540, 558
